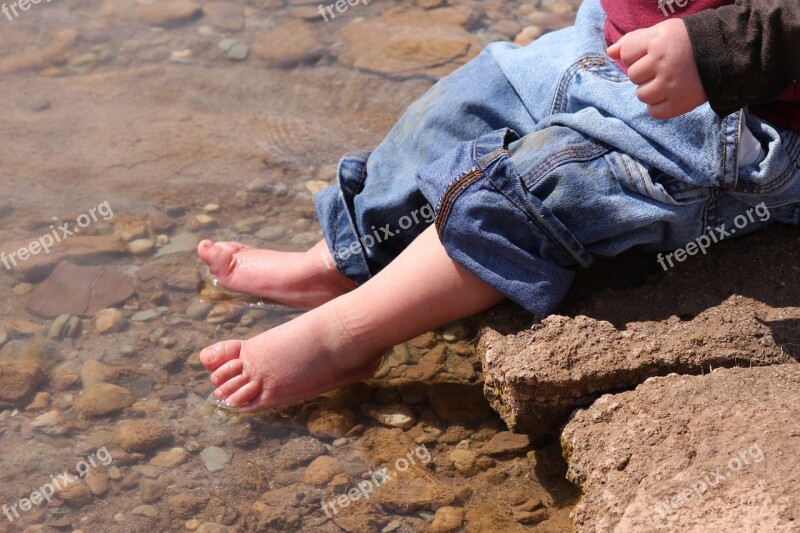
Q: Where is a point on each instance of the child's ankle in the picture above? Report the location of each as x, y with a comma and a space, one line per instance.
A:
350, 333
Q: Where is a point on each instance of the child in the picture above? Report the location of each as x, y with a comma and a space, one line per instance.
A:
535, 161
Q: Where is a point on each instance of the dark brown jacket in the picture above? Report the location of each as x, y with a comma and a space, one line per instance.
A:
749, 53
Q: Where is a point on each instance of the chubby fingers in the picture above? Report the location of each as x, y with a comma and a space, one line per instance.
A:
630, 48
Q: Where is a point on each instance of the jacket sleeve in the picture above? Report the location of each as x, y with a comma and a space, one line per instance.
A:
747, 52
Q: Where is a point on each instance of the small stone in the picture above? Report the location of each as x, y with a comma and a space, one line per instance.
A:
141, 246
192, 525
170, 458
74, 493
456, 333
148, 511
464, 461
202, 221
288, 44
49, 423
109, 320
239, 52
267, 186
396, 415
65, 375
331, 423
99, 399
151, 490
114, 473
211, 208
129, 229
181, 243
144, 316
226, 44
299, 451
215, 459
64, 327
447, 520
98, 483
141, 435
394, 525
271, 233
322, 470
148, 471
167, 342
40, 402
506, 442
223, 313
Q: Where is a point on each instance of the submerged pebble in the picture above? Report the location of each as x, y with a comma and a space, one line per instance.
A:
214, 458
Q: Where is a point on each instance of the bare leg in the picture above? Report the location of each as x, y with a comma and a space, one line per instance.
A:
341, 342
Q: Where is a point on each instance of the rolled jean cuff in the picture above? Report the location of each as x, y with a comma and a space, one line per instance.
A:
496, 229
335, 210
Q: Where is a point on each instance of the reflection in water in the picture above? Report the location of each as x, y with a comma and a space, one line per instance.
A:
220, 120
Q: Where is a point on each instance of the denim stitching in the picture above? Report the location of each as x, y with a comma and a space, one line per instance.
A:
555, 239
581, 154
451, 194
598, 64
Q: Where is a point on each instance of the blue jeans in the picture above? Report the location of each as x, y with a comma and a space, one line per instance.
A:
533, 162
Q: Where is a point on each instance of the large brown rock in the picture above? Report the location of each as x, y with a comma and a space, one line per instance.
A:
536, 376
411, 42
691, 453
78, 290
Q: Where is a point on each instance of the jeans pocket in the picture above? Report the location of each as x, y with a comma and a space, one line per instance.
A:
654, 183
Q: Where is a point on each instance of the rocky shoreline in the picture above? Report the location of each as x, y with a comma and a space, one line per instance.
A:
710, 364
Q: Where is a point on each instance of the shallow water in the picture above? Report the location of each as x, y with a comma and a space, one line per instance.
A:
143, 139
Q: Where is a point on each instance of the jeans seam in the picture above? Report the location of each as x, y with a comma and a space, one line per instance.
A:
450, 195
591, 62
581, 154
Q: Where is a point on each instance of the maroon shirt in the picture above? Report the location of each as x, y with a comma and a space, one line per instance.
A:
628, 15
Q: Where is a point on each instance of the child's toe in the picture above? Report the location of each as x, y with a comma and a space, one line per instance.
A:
228, 371
231, 386
220, 353
245, 395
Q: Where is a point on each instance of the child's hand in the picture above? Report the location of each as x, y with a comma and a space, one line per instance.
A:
660, 61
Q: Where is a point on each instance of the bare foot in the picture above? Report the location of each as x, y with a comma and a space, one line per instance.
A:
305, 357
299, 279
